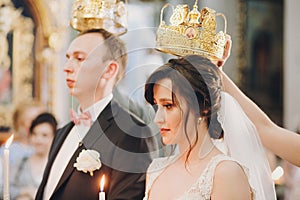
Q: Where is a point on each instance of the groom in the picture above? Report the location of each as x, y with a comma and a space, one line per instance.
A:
96, 61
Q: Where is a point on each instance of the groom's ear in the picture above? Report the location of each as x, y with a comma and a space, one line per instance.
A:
111, 70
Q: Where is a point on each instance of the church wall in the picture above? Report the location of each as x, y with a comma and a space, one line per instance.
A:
291, 65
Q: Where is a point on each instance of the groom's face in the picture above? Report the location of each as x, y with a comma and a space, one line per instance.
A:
85, 63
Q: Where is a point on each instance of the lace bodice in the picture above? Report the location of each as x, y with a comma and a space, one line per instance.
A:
200, 190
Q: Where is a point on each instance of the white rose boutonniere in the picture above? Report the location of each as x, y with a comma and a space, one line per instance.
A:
88, 161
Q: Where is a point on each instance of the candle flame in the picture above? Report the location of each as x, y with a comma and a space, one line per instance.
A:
9, 141
102, 183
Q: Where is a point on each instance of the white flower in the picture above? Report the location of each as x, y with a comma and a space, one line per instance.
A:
88, 161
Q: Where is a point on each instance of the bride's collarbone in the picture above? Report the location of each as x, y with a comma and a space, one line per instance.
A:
176, 179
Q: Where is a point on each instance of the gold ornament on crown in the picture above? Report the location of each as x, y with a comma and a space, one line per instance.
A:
110, 15
191, 32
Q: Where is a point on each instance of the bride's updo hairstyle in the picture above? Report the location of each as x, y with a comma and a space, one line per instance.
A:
197, 80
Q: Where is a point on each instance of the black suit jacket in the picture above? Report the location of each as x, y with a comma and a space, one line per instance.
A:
124, 144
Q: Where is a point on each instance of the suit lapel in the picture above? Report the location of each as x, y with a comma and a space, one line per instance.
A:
58, 141
93, 135
100, 125
70, 168
60, 137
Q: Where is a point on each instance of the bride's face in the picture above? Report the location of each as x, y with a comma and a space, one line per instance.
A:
169, 114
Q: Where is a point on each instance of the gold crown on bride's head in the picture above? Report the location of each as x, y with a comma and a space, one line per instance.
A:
110, 15
191, 32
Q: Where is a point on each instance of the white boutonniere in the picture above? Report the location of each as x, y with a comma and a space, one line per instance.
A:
88, 161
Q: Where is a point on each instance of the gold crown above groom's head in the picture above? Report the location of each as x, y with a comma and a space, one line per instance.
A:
110, 15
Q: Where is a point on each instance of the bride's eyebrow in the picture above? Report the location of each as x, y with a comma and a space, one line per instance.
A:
165, 100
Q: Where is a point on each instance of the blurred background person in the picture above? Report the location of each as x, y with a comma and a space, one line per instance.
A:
30, 170
23, 115
291, 179
20, 148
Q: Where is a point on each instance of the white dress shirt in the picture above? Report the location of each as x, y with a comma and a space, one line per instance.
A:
70, 145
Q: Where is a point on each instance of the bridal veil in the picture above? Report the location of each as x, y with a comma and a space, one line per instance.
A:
242, 143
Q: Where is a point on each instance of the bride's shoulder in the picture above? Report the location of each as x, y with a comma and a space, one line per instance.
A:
231, 176
227, 166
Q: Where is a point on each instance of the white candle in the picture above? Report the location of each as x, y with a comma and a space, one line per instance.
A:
6, 192
101, 193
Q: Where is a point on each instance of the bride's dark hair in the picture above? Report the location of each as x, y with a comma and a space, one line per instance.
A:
198, 81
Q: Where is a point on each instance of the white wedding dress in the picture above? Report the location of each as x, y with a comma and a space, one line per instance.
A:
241, 144
201, 189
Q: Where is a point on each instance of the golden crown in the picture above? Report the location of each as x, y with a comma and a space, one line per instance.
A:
110, 15
191, 32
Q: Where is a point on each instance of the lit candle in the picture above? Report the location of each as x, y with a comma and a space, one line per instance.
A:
277, 175
6, 192
101, 193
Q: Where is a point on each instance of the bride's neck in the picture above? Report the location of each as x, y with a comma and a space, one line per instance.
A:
200, 150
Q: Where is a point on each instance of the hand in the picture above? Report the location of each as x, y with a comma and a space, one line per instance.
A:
227, 50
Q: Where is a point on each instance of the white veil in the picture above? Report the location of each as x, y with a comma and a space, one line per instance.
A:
243, 144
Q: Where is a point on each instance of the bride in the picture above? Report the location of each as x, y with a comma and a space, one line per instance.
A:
219, 156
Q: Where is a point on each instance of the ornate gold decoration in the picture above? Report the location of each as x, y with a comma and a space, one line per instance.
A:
191, 32
21, 30
110, 15
6, 25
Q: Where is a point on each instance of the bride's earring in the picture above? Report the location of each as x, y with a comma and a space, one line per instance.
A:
200, 119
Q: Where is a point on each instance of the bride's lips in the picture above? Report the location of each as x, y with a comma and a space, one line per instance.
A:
70, 83
164, 130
